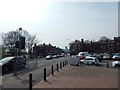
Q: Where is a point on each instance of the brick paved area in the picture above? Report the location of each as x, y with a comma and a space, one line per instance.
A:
82, 77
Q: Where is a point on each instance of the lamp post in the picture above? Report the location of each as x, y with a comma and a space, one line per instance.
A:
20, 29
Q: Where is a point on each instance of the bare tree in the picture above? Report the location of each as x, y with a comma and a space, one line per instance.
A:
11, 37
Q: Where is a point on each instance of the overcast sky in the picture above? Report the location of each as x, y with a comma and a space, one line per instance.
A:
59, 23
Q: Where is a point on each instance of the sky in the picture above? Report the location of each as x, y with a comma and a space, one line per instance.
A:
60, 22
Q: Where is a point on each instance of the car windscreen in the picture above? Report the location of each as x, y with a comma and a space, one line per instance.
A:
117, 54
6, 60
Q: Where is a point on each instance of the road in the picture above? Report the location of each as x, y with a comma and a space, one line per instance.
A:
36, 68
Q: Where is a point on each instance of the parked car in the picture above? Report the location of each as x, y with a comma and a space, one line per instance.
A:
81, 61
55, 56
62, 55
8, 63
98, 56
49, 57
116, 56
116, 64
82, 55
91, 60
107, 56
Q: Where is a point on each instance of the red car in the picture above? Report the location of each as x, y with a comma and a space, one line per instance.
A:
82, 57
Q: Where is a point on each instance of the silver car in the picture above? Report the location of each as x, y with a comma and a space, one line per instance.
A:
91, 60
116, 56
116, 64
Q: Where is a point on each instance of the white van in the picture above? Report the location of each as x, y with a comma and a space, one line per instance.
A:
74, 60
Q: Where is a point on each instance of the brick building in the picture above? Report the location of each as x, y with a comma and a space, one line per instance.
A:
44, 50
101, 46
117, 44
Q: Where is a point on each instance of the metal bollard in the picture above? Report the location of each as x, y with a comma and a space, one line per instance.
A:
44, 74
107, 65
60, 65
30, 81
52, 70
63, 64
14, 69
57, 67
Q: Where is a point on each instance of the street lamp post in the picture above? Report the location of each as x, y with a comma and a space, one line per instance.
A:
20, 29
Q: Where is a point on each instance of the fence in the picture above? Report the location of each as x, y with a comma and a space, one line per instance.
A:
58, 65
22, 67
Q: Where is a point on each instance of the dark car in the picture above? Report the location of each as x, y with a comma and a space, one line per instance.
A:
9, 63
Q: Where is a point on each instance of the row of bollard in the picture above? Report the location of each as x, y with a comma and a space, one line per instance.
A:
52, 70
62, 64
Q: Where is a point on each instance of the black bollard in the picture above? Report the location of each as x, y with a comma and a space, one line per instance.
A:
44, 74
63, 64
57, 67
107, 65
52, 70
30, 81
60, 65
14, 69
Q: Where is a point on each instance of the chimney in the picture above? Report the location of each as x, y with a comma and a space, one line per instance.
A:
82, 40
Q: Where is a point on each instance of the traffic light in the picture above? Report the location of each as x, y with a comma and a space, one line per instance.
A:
21, 43
17, 45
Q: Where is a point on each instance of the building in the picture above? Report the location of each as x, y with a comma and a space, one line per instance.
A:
117, 44
44, 50
101, 46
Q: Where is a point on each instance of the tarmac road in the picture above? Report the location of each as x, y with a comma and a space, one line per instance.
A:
22, 79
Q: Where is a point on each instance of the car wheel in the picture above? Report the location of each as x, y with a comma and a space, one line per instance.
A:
117, 65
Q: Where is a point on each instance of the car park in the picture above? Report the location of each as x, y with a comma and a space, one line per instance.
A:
9, 63
116, 56
91, 60
49, 57
116, 64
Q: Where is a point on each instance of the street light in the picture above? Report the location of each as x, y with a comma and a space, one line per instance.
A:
20, 29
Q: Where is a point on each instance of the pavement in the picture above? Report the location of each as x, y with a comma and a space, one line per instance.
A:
82, 76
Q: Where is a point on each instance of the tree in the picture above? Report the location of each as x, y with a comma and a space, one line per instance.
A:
9, 39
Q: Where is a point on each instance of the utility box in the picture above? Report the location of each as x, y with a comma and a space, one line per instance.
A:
74, 60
